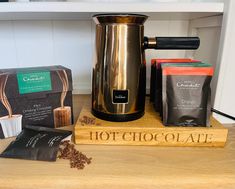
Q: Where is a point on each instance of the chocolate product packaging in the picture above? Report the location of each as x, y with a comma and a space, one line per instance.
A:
152, 79
186, 94
35, 96
184, 64
36, 143
156, 78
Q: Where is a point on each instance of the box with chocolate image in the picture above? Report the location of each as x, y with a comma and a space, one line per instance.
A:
35, 96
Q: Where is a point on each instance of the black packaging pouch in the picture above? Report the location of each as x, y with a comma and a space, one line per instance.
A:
186, 95
36, 143
152, 79
156, 78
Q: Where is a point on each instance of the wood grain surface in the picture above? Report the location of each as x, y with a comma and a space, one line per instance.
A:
148, 130
127, 167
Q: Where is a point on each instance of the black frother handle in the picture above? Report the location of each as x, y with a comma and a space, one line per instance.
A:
183, 43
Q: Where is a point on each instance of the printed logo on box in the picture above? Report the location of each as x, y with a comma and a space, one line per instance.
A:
34, 82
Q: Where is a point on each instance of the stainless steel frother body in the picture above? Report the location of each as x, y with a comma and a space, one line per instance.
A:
119, 72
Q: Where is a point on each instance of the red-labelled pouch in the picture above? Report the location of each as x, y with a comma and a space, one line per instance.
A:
186, 96
156, 78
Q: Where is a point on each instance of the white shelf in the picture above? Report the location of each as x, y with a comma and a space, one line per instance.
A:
84, 10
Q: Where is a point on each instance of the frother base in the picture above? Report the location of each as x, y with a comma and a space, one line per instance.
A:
117, 117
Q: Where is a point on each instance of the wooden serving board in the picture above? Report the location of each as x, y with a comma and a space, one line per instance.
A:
147, 130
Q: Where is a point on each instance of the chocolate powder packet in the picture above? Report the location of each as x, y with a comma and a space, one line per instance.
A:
186, 95
156, 78
36, 143
183, 64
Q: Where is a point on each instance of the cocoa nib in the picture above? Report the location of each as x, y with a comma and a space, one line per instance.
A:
76, 158
86, 120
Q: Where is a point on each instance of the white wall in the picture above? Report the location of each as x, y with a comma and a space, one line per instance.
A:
208, 51
225, 91
42, 43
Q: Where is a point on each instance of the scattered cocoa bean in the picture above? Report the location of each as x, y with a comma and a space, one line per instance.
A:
85, 120
76, 158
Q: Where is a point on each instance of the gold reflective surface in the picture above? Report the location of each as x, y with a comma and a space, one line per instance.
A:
119, 65
119, 18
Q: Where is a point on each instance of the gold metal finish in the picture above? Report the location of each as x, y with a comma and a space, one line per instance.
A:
152, 42
119, 18
119, 65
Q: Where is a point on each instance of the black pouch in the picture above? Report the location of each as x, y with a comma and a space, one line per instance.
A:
156, 79
186, 95
152, 80
36, 143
